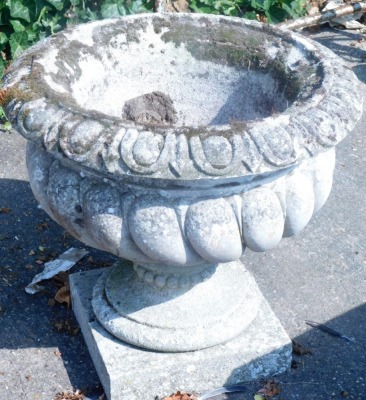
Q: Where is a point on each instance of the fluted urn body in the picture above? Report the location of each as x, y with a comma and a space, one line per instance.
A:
176, 142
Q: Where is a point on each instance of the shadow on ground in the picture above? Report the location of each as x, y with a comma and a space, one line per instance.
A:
335, 370
27, 321
343, 43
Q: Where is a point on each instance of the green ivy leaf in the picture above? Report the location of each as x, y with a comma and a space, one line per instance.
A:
250, 15
3, 39
18, 43
18, 9
2, 67
17, 25
203, 6
139, 6
263, 4
32, 34
295, 8
58, 4
276, 14
7, 126
52, 22
113, 10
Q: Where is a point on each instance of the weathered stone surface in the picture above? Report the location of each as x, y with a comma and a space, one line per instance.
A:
323, 178
155, 229
263, 219
185, 318
179, 232
176, 191
274, 101
130, 373
213, 231
299, 202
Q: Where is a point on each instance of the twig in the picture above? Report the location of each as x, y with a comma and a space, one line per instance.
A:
325, 16
299, 383
221, 390
328, 330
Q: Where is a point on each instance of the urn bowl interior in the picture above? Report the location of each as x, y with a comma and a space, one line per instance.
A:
215, 72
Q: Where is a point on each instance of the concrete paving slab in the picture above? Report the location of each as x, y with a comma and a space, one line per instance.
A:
261, 351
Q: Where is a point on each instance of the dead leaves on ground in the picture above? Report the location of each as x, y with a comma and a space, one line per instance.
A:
66, 325
42, 226
299, 349
63, 294
181, 396
57, 353
42, 255
75, 395
271, 388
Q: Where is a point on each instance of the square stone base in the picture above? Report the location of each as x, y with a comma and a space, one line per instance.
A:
130, 373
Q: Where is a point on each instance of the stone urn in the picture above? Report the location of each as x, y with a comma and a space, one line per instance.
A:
175, 142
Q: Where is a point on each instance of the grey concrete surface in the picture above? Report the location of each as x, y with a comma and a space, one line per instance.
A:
318, 275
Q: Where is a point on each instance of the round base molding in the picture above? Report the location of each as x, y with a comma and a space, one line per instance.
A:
180, 319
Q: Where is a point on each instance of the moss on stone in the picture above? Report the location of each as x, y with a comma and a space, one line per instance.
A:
9, 94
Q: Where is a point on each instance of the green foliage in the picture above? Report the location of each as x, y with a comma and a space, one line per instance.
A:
273, 10
5, 123
24, 22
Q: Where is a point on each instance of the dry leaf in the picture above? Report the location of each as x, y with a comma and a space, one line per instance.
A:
300, 350
4, 94
172, 6
77, 395
51, 302
42, 226
66, 326
270, 389
181, 396
5, 210
63, 295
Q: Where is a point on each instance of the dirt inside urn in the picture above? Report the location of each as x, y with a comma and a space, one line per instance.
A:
150, 108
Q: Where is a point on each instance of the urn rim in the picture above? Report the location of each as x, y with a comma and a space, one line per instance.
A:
108, 144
